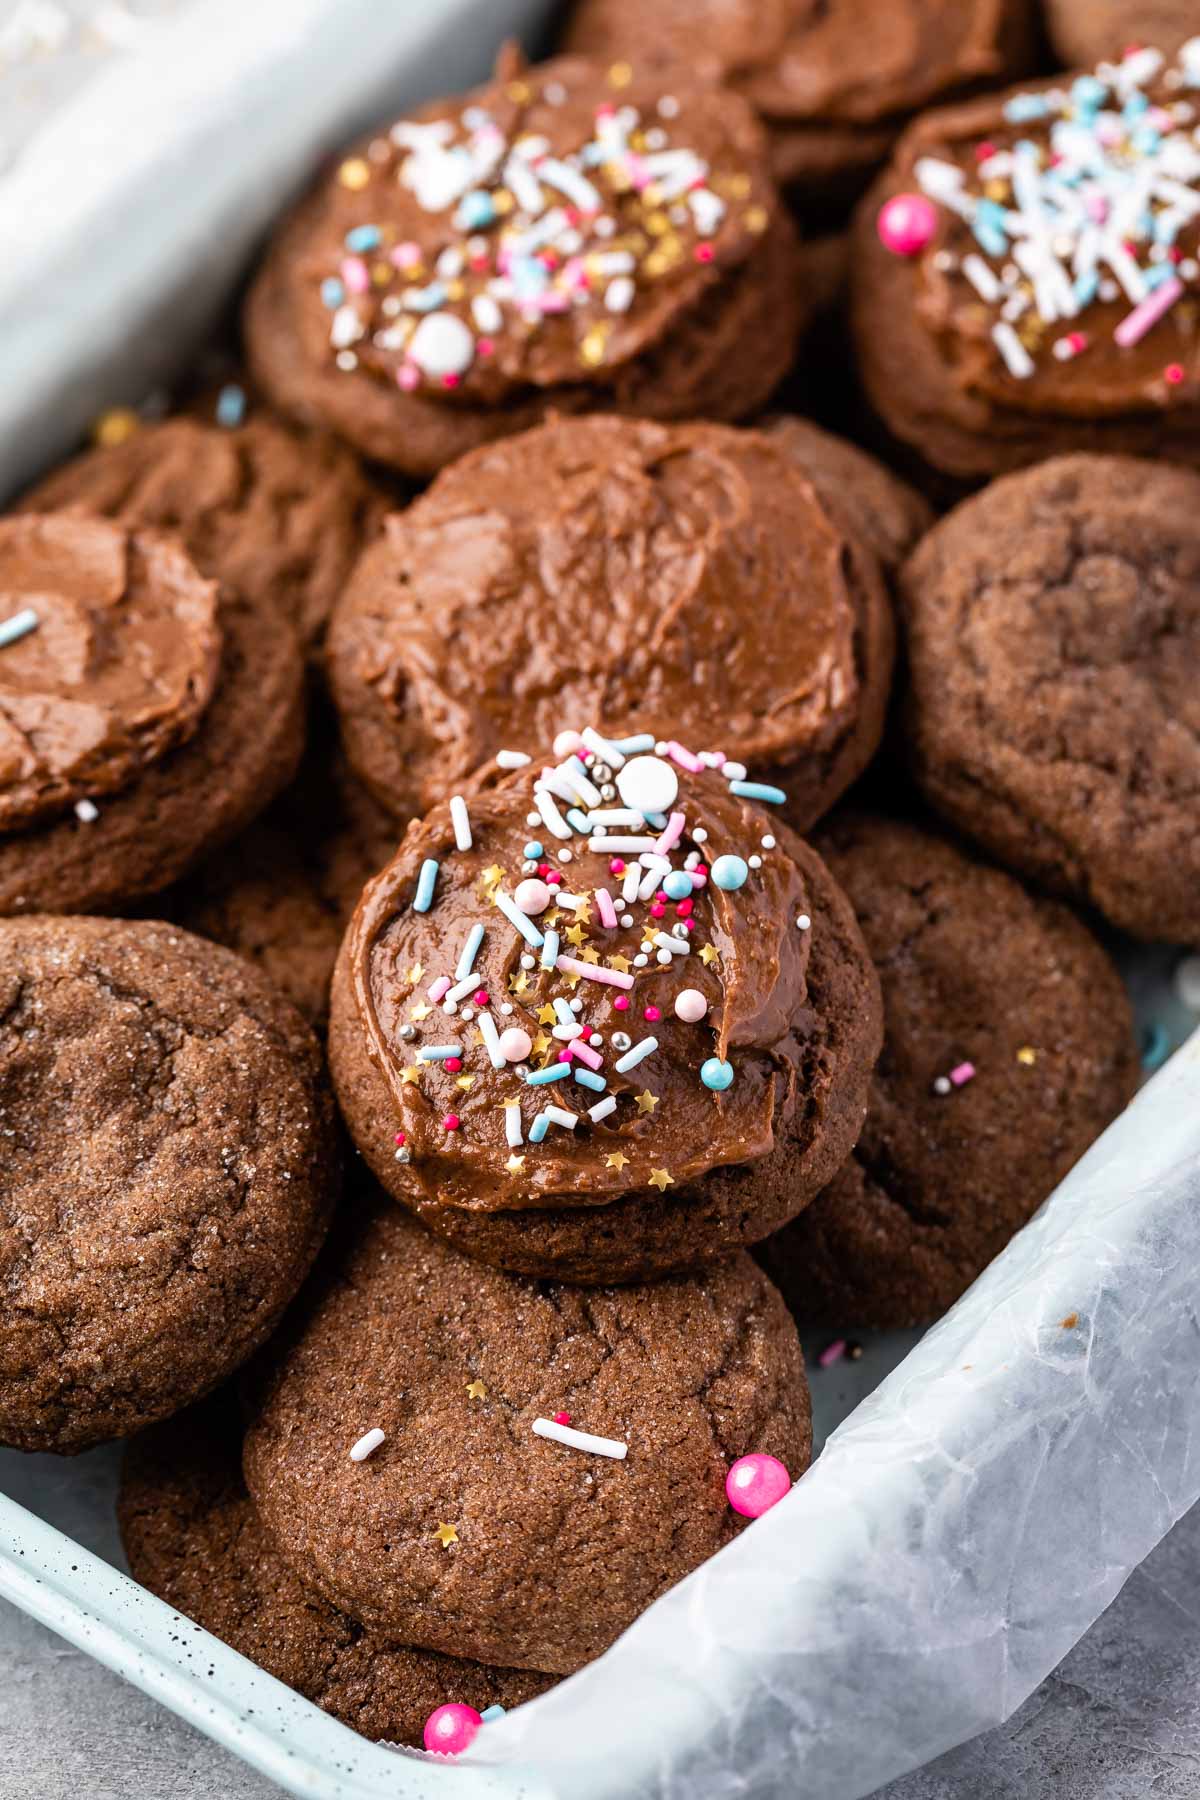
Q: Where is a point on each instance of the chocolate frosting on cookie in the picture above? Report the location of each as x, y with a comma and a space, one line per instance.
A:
559, 238
614, 568
117, 667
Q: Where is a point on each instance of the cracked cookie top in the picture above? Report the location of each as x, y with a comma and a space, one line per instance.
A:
467, 1531
109, 650
168, 1162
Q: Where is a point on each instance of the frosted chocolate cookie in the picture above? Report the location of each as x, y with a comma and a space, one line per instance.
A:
514, 1428
146, 714
564, 239
693, 575
1054, 715
1083, 31
603, 1038
1008, 1047
169, 1167
1026, 273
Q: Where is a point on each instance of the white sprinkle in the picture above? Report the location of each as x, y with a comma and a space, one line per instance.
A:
512, 759
602, 1109
19, 625
581, 1440
86, 812
370, 1441
638, 1054
700, 836
619, 294
461, 822
610, 752
804, 922
558, 1116
512, 1122
676, 946
1187, 982
491, 1040
1017, 359
624, 846
551, 818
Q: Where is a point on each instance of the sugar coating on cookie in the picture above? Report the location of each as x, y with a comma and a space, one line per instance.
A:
193, 1538
1008, 1047
691, 574
562, 235
169, 1165
453, 965
469, 1531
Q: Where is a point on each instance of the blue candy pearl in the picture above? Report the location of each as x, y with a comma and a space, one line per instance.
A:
716, 1074
533, 850
729, 873
678, 885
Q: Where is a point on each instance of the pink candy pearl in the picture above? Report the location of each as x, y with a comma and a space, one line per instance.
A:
532, 896
907, 224
515, 1044
622, 1002
756, 1483
690, 1006
450, 1729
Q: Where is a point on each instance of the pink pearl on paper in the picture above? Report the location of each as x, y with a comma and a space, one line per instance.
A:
450, 1729
906, 224
756, 1483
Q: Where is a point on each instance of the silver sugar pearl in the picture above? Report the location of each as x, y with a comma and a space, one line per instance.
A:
529, 868
621, 1040
408, 1033
607, 791
404, 1154
601, 772
680, 930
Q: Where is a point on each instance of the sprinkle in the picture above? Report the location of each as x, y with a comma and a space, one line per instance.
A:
354, 173
628, 846
1027, 1055
606, 909
569, 965
586, 1078
585, 1053
539, 1128
580, 1440
477, 1390
550, 950
1135, 325
491, 1040
832, 1353
496, 1711
637, 1055
512, 1122
803, 922
437, 990
462, 824
231, 406
672, 945
437, 1052
515, 916
671, 835
557, 1115
18, 625
512, 759
604, 748
470, 951
543, 1077
685, 758
460, 990
1017, 359
451, 1122
445, 1534
757, 790
661, 1179
964, 1072
87, 812
602, 1110
551, 818
370, 1441
426, 881
116, 426
716, 1074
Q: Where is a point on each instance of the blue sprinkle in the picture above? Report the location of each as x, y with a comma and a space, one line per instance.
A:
438, 1052
1157, 273
632, 746
758, 790
543, 1077
577, 820
539, 1128
18, 625
476, 210
470, 951
1156, 1047
533, 850
363, 237
530, 278
677, 885
1137, 104
1086, 288
656, 821
716, 1074
515, 916
589, 1079
426, 881
550, 950
426, 299
1088, 94
332, 292
1023, 107
231, 406
990, 227
491, 1712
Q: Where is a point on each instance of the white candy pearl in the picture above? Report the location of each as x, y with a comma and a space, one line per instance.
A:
515, 1044
648, 784
690, 1006
442, 345
532, 896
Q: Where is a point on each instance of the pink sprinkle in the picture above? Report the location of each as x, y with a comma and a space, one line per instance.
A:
451, 1122
451, 381
564, 1054
671, 835
585, 1053
1135, 325
616, 866
554, 879
684, 758
699, 878
562, 1418
906, 224
485, 346
608, 912
652, 1013
571, 965
449, 1730
832, 1353
622, 1002
545, 869
965, 1072
401, 1137
406, 255
437, 988
482, 997
408, 377
1173, 373
454, 1064
658, 910
704, 253
355, 276
683, 908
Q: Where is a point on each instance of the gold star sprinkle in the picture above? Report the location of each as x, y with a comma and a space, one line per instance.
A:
619, 962
574, 935
546, 1015
420, 1011
646, 1102
708, 955
490, 880
411, 1076
477, 1390
583, 913
616, 1159
661, 1180
620, 75
465, 1082
551, 919
595, 343
515, 1164
354, 173
445, 1534
413, 975
589, 954
1027, 1055
517, 984
571, 981
115, 426
542, 1045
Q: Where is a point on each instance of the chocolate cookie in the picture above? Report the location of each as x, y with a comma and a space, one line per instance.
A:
193, 1538
689, 574
561, 240
447, 1533
169, 1165
570, 1064
1008, 1047
1084, 31
877, 508
1054, 639
1015, 297
277, 513
834, 82
145, 714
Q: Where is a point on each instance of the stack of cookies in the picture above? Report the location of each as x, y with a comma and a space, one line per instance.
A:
510, 820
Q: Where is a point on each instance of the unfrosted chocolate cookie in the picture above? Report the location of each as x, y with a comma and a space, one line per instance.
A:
1054, 714
605, 567
560, 240
169, 1166
647, 1068
146, 714
193, 1538
1012, 301
1083, 31
832, 80
276, 513
1008, 1047
879, 510
449, 1533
